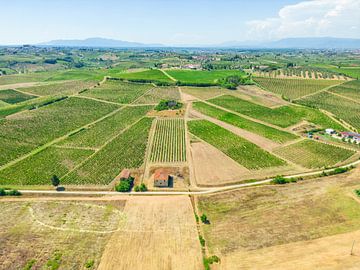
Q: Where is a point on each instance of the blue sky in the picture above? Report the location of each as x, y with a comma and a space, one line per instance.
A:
176, 22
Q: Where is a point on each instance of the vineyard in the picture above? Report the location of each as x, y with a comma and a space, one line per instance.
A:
283, 116
273, 134
294, 88
65, 88
11, 96
22, 132
342, 108
169, 143
159, 93
350, 89
39, 169
118, 91
99, 133
151, 75
242, 151
312, 155
127, 150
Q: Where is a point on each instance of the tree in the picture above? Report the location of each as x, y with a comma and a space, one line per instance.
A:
55, 181
204, 219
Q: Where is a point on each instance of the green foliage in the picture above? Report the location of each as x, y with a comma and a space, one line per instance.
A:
125, 185
202, 241
89, 264
140, 188
12, 96
152, 75
243, 123
66, 88
280, 180
157, 94
12, 192
242, 151
233, 81
210, 260
29, 264
168, 105
204, 219
357, 191
54, 262
55, 181
2, 192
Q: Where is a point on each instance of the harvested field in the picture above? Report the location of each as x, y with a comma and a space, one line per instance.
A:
257, 228
160, 234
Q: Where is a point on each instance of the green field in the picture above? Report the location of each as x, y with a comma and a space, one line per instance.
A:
159, 93
293, 88
353, 72
22, 78
350, 89
125, 151
118, 91
312, 154
343, 108
39, 168
151, 75
169, 141
33, 128
99, 133
242, 151
283, 116
65, 88
12, 96
201, 76
273, 134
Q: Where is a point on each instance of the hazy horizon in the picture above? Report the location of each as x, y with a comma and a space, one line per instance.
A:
178, 23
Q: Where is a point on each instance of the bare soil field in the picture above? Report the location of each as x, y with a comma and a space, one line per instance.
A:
311, 224
160, 234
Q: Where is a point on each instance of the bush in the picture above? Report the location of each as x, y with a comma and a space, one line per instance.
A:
141, 188
168, 105
2, 192
125, 185
210, 260
89, 264
202, 241
279, 180
14, 192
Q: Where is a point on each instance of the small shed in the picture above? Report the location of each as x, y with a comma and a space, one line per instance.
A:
161, 178
329, 131
125, 174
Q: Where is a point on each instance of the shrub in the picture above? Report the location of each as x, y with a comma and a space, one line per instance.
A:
279, 180
210, 260
168, 105
14, 192
202, 241
125, 185
204, 219
143, 187
55, 181
2, 192
89, 264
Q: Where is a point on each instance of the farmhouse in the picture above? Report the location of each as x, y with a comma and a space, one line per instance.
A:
125, 174
161, 178
351, 135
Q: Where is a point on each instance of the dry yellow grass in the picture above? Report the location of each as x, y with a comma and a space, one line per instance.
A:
160, 233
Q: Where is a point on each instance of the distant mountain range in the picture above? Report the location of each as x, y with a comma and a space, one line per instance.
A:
96, 42
296, 43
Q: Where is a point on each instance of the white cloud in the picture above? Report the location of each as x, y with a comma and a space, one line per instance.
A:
337, 18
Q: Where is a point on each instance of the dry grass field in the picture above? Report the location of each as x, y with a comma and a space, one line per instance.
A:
105, 233
311, 223
160, 234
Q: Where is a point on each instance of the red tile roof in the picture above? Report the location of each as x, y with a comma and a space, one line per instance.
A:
125, 173
161, 174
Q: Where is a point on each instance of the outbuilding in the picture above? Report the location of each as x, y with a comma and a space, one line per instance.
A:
161, 178
125, 174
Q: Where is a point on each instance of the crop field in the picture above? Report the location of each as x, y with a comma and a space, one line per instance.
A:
11, 96
283, 116
169, 141
311, 154
99, 133
57, 234
65, 88
204, 92
154, 75
157, 94
127, 150
118, 91
33, 128
273, 134
242, 151
294, 88
343, 108
39, 168
350, 89
353, 72
202, 77
247, 227
22, 78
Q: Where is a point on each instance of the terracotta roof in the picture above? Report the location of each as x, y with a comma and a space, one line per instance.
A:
125, 173
161, 174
